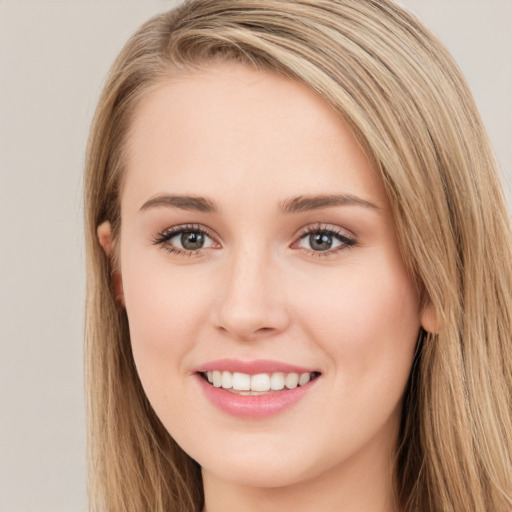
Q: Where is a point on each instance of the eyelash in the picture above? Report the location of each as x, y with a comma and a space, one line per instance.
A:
346, 242
163, 237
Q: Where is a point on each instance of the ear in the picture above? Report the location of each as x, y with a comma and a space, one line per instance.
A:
429, 319
104, 232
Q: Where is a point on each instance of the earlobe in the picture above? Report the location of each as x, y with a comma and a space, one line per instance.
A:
429, 319
104, 232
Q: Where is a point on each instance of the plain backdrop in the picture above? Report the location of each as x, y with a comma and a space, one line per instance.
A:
54, 55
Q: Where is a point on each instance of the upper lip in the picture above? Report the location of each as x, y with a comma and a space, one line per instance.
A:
253, 367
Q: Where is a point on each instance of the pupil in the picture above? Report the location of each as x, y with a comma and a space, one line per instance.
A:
320, 241
192, 240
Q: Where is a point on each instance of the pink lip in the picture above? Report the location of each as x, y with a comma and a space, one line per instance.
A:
253, 406
251, 367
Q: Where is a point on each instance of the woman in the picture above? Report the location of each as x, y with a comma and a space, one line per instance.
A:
299, 268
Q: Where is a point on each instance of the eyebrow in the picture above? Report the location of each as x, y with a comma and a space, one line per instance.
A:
195, 203
317, 202
294, 205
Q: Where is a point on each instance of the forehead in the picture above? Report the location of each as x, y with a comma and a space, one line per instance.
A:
227, 127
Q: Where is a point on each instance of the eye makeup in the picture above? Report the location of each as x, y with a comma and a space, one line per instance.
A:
193, 238
323, 241
189, 240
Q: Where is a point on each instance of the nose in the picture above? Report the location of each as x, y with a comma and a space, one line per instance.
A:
252, 299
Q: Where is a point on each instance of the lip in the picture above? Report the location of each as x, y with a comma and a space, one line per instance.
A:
251, 367
253, 406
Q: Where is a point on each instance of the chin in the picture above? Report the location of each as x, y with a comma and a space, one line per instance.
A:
265, 468
258, 476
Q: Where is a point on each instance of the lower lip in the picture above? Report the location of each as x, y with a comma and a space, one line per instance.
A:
254, 406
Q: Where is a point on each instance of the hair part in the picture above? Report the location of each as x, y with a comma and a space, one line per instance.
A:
406, 101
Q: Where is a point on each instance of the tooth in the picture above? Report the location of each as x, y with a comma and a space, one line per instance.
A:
277, 381
260, 382
241, 381
217, 379
291, 380
227, 380
304, 378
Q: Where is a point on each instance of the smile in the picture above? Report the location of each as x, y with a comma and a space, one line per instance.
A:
253, 385
255, 389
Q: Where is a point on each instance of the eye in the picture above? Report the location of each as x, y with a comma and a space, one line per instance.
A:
324, 240
191, 240
184, 239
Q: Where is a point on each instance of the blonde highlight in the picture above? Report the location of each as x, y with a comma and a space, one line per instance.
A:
409, 106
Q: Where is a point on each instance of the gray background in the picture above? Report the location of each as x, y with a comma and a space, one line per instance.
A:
54, 55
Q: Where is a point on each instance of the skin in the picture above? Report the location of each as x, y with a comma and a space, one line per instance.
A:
247, 141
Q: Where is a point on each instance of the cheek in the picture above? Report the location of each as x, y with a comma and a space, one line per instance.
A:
366, 317
165, 311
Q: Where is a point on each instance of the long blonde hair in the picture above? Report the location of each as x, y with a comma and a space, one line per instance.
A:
405, 99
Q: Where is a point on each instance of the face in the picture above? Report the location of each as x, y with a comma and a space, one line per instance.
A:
257, 248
